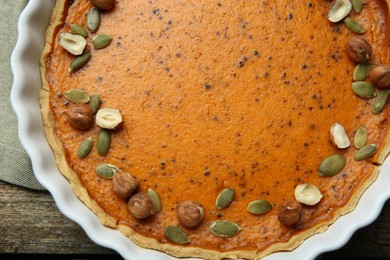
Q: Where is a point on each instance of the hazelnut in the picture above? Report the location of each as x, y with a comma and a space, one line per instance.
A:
190, 213
140, 205
359, 50
338, 136
73, 43
290, 212
109, 118
80, 116
380, 76
124, 184
103, 4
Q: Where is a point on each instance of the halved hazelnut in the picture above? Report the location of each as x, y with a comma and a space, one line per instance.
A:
290, 212
140, 205
80, 116
109, 118
307, 194
338, 136
190, 213
380, 76
73, 43
339, 10
124, 184
359, 50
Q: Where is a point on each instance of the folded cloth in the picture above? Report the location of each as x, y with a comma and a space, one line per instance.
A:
15, 164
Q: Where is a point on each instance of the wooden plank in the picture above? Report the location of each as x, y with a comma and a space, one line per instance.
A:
31, 223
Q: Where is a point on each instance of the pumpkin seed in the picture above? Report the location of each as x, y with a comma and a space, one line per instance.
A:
339, 10
102, 40
363, 89
176, 235
224, 198
106, 170
94, 103
259, 207
103, 141
365, 152
77, 96
155, 199
361, 72
357, 5
332, 165
85, 148
78, 29
353, 25
80, 61
93, 19
361, 137
224, 228
380, 101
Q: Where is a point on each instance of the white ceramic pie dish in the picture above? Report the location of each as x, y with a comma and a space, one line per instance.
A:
25, 101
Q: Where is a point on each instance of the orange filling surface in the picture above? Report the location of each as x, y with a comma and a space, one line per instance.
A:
218, 94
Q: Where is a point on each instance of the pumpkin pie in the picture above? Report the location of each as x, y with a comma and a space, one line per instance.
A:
218, 129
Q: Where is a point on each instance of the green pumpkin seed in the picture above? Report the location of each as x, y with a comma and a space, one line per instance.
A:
361, 72
93, 19
224, 228
380, 101
106, 170
259, 207
85, 148
102, 40
224, 198
155, 199
365, 152
77, 96
361, 137
103, 141
363, 89
176, 235
353, 25
80, 61
78, 29
94, 103
332, 165
357, 5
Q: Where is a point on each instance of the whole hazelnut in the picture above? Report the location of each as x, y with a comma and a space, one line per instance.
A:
380, 76
140, 205
358, 49
103, 4
124, 184
190, 213
80, 116
290, 212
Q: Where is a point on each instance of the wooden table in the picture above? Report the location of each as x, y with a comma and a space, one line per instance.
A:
31, 224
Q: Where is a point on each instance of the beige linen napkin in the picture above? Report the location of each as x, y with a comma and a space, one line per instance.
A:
15, 164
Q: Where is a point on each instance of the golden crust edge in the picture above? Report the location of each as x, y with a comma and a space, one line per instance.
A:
150, 243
